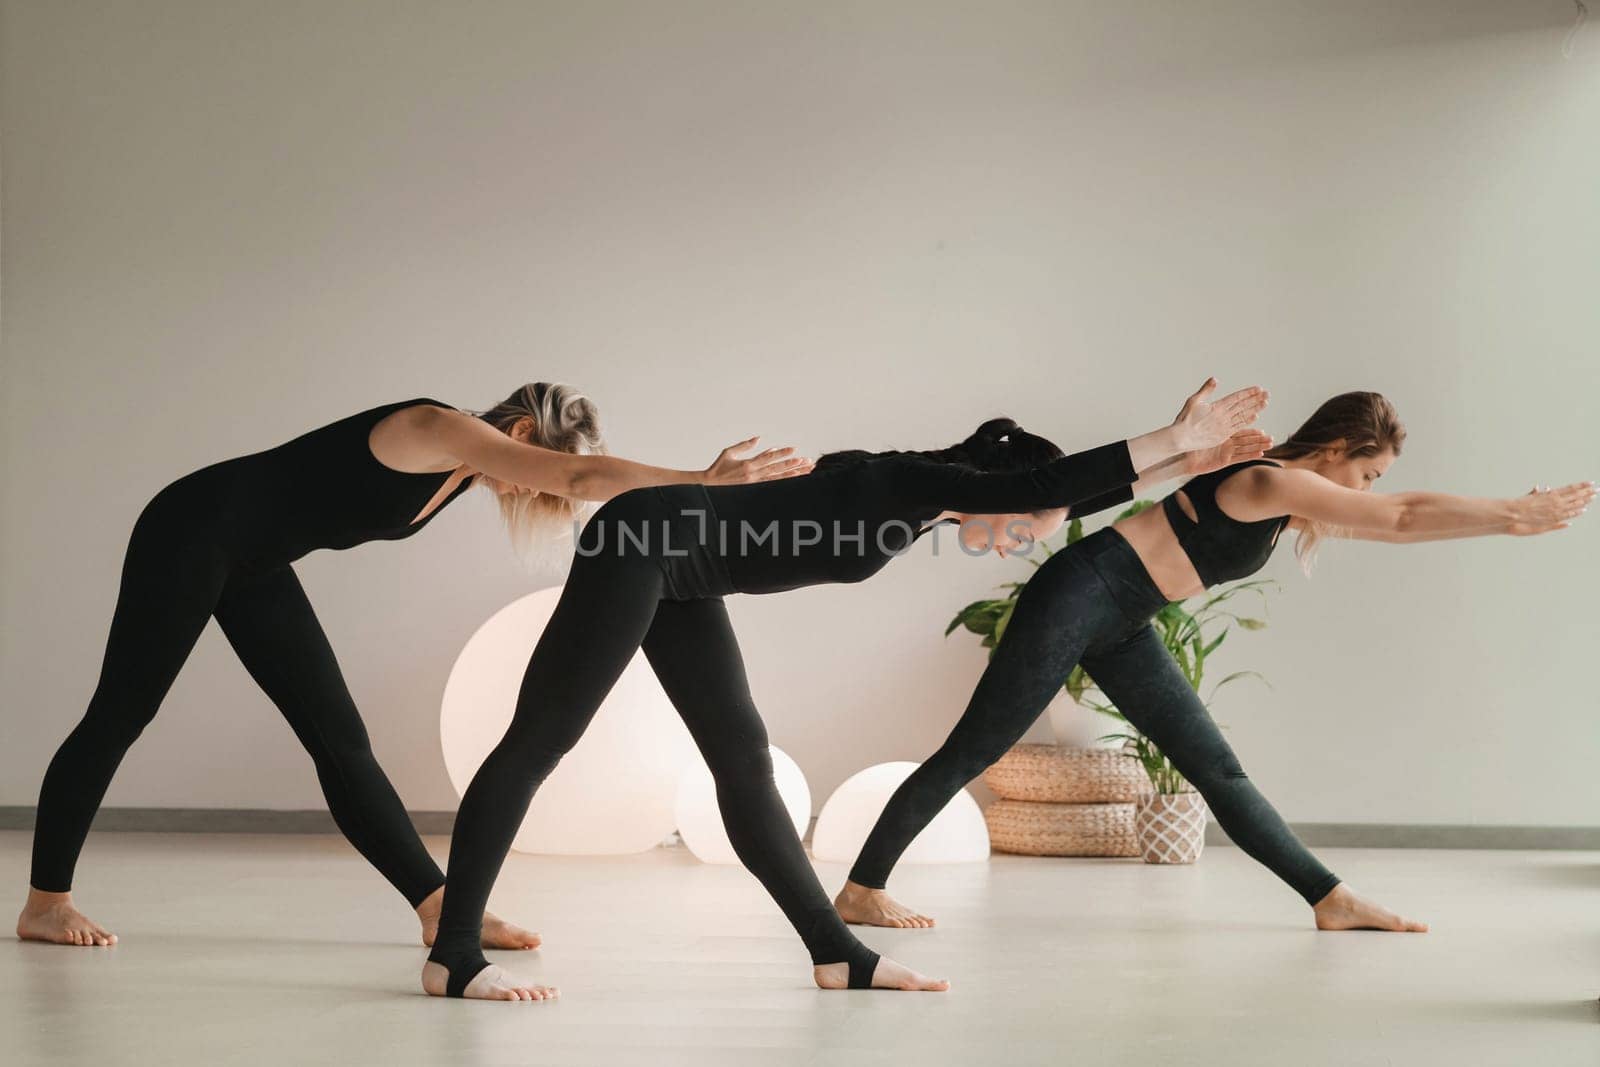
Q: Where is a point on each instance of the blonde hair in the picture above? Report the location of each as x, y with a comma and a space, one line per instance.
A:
564, 420
1366, 423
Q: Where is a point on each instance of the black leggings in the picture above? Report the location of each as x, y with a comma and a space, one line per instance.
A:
1092, 603
613, 605
174, 578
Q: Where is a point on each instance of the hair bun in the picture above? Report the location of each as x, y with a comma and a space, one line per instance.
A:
993, 431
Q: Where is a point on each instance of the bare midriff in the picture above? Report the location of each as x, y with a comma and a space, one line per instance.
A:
1152, 537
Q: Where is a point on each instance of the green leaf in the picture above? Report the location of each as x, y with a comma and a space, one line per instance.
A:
975, 616
1182, 656
1003, 620
1077, 681
1237, 675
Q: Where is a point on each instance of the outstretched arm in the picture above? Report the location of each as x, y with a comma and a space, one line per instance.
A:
1417, 515
1515, 529
473, 442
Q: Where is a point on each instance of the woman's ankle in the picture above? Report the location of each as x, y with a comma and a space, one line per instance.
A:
1333, 897
428, 907
43, 898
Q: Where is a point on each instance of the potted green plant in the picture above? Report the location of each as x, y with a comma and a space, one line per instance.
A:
1171, 817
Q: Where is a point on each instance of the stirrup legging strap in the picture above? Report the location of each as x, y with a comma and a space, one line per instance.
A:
461, 976
862, 968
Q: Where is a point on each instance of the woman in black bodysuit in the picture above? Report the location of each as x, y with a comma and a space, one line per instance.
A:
220, 541
651, 571
1091, 603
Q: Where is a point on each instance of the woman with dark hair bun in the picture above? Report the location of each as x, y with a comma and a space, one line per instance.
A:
1091, 603
651, 570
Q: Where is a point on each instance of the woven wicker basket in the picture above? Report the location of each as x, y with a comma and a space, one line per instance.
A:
1040, 829
1055, 774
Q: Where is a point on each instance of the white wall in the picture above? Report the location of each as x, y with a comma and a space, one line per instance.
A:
868, 225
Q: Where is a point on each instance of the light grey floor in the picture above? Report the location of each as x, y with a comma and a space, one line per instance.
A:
262, 949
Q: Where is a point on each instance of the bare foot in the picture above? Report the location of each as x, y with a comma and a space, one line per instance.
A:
873, 907
1342, 909
497, 933
51, 917
887, 975
491, 983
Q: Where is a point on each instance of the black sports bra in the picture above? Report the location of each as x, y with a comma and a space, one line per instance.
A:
1220, 547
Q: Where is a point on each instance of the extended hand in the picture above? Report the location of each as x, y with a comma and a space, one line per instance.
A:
1205, 424
731, 469
1243, 445
1544, 509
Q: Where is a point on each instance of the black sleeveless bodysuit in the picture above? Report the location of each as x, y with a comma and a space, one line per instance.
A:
323, 489
219, 543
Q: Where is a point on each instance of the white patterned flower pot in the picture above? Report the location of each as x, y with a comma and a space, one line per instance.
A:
1171, 827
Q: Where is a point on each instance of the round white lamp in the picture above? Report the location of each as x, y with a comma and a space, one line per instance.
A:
613, 793
957, 834
700, 818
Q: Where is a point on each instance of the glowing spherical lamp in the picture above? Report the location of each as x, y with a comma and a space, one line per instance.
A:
700, 818
957, 834
613, 793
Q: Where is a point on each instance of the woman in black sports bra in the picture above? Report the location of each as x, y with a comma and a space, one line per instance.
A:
1092, 602
220, 542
